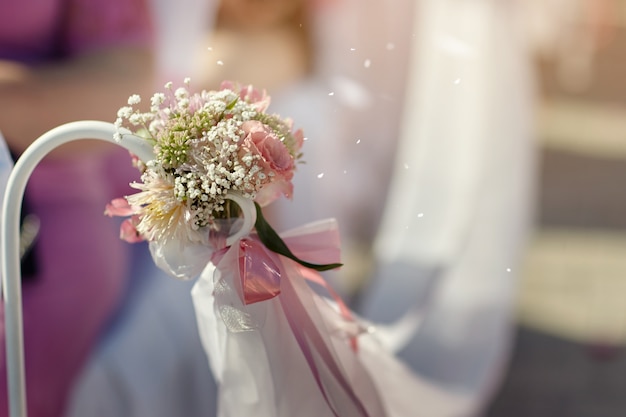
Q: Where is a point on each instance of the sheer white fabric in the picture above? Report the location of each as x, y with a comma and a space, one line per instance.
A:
262, 370
461, 199
151, 362
456, 218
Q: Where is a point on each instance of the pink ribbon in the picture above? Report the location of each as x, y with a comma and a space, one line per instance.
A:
259, 268
264, 274
260, 274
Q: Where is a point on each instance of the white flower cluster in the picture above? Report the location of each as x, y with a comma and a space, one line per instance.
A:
204, 146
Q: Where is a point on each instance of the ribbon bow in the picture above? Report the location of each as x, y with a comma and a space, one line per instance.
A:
259, 265
258, 273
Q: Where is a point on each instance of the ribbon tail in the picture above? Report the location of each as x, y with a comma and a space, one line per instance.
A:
328, 366
231, 334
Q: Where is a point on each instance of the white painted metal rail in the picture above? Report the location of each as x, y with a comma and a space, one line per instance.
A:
9, 256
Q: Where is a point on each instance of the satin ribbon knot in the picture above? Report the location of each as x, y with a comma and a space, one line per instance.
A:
258, 271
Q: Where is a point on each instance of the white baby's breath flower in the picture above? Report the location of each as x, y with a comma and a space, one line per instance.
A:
201, 153
135, 118
181, 93
183, 103
134, 100
156, 100
125, 112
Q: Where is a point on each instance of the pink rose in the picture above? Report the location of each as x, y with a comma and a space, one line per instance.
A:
261, 140
274, 191
270, 147
118, 207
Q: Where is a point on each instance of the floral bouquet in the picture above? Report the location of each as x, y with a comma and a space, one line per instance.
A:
276, 347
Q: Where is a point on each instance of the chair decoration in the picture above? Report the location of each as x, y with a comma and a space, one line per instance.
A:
210, 163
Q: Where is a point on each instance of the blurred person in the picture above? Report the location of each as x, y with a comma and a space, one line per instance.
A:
260, 43
62, 62
571, 33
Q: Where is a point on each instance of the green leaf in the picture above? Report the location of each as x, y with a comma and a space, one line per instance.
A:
231, 105
273, 242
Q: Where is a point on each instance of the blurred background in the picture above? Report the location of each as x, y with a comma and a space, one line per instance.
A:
568, 352
569, 358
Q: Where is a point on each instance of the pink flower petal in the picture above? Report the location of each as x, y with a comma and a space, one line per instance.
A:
128, 231
118, 207
274, 191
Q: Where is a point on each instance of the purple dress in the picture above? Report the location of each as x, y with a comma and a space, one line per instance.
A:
82, 265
